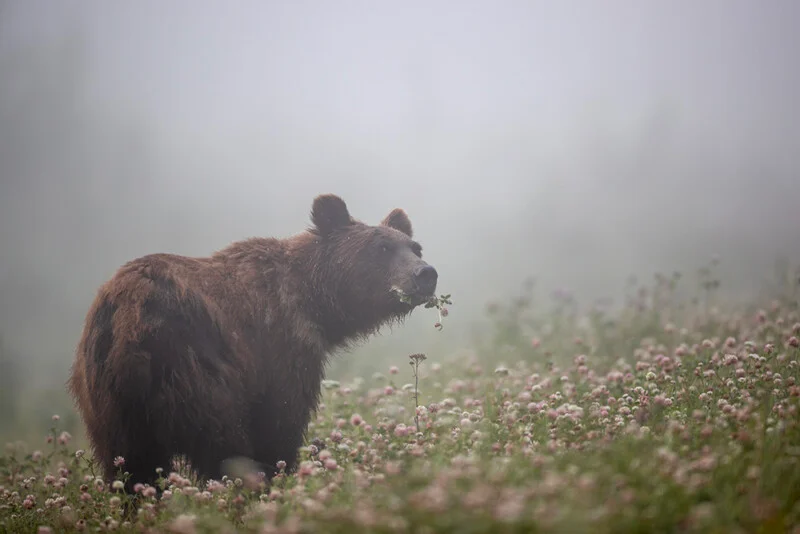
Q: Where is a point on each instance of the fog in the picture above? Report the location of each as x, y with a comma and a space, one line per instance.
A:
579, 142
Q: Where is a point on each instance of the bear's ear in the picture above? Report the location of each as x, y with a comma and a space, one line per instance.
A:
329, 213
398, 220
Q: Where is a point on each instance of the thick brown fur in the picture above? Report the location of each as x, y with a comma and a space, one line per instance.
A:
223, 356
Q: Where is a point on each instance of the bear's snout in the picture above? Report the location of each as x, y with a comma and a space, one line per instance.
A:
425, 278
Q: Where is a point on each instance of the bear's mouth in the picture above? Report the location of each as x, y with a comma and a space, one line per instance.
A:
413, 299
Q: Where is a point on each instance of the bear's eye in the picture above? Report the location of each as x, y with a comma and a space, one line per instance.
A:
416, 248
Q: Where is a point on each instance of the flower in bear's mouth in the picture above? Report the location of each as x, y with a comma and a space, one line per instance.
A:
414, 299
430, 301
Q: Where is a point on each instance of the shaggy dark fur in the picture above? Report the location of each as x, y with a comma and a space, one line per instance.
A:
222, 357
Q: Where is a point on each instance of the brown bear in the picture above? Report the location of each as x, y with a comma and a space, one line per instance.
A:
223, 356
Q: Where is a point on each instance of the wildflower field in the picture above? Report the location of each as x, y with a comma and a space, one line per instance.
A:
674, 412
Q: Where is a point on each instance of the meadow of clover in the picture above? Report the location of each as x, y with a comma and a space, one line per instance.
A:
674, 411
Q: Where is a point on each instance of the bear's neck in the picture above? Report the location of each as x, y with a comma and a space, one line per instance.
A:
341, 330
340, 322
298, 292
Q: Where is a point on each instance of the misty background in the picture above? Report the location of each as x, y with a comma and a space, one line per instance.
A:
579, 142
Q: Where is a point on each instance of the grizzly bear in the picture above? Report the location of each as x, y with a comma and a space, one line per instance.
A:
223, 356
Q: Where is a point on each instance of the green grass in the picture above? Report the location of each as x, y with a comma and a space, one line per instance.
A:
663, 417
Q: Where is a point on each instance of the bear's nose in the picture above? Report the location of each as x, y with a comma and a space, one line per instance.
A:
425, 278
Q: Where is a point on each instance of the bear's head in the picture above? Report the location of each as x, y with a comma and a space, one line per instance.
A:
371, 272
